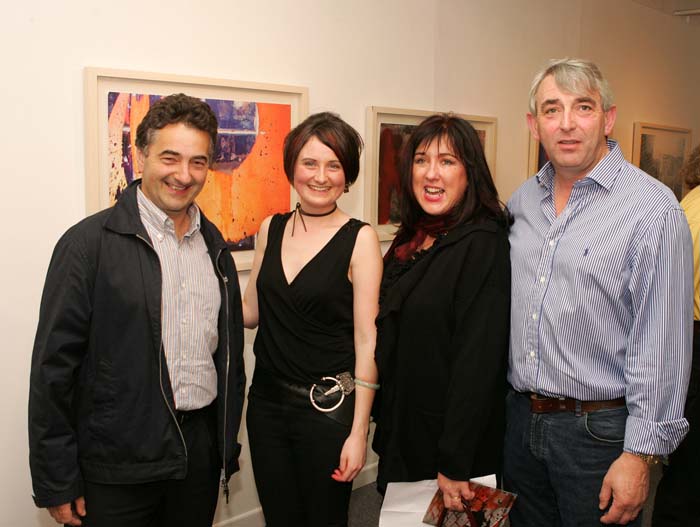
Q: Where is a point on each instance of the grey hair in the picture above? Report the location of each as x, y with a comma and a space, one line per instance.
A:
575, 76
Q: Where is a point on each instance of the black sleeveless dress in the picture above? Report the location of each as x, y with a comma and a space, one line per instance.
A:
305, 332
306, 326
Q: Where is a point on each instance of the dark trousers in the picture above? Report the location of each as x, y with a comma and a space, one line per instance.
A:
556, 462
294, 450
678, 494
190, 502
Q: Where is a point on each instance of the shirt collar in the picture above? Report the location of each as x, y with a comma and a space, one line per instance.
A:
604, 173
158, 219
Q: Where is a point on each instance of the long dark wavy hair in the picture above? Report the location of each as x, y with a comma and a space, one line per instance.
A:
480, 200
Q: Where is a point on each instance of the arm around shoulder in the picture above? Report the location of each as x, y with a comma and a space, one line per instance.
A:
250, 298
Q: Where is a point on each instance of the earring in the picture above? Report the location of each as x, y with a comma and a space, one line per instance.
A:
347, 188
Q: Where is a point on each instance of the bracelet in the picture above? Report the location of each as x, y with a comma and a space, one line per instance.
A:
366, 384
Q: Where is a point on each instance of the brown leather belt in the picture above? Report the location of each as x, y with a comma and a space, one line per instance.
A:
539, 404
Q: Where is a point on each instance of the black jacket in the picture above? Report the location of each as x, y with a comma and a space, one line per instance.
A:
101, 406
442, 350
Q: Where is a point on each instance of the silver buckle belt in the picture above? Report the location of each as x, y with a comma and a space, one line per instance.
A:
343, 383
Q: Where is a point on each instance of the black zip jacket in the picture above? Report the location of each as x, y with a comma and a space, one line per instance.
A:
101, 407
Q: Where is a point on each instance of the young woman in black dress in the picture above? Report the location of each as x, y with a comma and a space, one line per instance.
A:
313, 293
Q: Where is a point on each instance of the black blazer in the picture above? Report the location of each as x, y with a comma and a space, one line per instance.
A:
442, 349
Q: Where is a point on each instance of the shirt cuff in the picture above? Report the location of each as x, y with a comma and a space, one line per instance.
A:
650, 437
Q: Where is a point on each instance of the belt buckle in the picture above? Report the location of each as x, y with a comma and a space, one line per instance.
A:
344, 384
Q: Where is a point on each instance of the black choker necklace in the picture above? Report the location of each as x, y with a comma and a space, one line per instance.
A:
303, 213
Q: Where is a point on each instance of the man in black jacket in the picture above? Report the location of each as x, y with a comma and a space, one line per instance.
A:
137, 379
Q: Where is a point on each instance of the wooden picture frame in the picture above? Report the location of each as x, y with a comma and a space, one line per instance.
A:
536, 158
381, 170
661, 151
253, 118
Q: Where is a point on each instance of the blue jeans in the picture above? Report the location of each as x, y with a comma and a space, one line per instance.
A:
555, 463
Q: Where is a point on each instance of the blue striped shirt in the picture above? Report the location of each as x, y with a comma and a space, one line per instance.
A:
602, 297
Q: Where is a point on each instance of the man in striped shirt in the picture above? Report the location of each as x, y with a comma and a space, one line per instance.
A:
137, 376
601, 316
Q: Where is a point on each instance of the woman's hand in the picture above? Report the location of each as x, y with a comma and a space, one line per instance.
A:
453, 492
352, 458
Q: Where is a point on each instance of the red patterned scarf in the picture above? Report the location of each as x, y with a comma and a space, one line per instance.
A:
426, 226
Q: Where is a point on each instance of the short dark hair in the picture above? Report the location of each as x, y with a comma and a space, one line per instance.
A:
333, 132
178, 108
690, 172
480, 200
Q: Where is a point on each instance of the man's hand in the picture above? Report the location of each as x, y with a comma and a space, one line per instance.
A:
627, 483
69, 513
453, 491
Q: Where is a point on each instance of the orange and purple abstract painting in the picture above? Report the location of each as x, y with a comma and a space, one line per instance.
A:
246, 182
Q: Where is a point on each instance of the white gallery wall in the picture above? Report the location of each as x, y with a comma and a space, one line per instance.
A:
470, 56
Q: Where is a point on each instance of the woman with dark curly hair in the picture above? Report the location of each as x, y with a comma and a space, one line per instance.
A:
442, 340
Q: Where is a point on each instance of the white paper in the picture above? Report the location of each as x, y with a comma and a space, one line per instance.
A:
405, 503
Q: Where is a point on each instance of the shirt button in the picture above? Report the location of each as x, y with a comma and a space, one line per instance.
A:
532, 354
534, 316
183, 285
160, 237
541, 279
184, 321
551, 243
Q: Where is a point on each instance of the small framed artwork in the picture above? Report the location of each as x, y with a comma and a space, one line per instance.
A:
246, 182
661, 151
388, 130
537, 157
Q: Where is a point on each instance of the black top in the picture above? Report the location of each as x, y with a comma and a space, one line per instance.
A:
442, 349
306, 326
394, 269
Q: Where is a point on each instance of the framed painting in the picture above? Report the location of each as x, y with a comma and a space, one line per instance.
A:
537, 157
387, 131
661, 151
246, 182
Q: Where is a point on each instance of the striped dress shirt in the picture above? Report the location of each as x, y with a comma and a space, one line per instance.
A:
602, 297
190, 305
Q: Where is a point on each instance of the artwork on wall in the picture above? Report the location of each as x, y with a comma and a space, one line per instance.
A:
387, 131
661, 151
537, 157
246, 182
